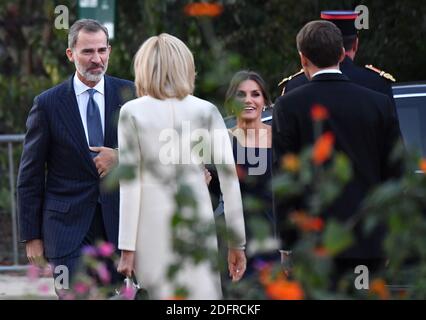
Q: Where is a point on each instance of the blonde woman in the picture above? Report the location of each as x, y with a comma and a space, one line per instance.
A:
154, 138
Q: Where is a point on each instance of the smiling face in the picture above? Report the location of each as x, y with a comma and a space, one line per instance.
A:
250, 95
90, 56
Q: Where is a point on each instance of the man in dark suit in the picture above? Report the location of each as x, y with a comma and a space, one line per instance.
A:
369, 77
362, 121
69, 148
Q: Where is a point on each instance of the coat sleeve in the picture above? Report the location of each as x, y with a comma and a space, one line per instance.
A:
130, 187
392, 168
32, 173
223, 159
285, 139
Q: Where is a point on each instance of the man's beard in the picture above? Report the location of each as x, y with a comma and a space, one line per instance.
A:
91, 76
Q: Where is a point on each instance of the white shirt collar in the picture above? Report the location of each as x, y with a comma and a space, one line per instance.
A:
80, 87
331, 70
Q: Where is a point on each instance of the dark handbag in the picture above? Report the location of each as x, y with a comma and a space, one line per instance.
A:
132, 290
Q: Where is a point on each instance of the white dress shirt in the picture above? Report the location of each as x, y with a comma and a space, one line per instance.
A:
82, 96
331, 70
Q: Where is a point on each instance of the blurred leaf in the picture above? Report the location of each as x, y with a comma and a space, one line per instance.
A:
336, 237
259, 227
121, 172
286, 186
342, 167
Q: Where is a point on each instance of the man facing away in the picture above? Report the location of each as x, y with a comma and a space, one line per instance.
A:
363, 124
368, 76
69, 148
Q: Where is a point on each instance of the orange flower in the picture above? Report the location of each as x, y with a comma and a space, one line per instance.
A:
378, 287
266, 276
290, 162
403, 294
323, 148
203, 9
319, 112
321, 252
422, 165
284, 290
305, 222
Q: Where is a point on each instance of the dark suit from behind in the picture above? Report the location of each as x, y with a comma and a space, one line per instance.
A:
365, 129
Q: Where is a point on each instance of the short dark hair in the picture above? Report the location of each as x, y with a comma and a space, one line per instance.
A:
321, 42
88, 25
244, 75
349, 41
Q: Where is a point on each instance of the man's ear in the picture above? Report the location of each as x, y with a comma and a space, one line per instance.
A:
69, 54
303, 60
305, 65
342, 55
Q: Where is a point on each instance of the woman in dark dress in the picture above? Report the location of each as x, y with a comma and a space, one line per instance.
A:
252, 141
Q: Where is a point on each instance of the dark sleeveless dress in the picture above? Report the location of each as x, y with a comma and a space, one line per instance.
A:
254, 167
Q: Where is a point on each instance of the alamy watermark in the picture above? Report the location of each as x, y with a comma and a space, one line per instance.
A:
362, 281
62, 277
362, 21
202, 146
62, 20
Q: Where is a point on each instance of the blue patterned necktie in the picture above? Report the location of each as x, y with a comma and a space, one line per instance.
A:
94, 125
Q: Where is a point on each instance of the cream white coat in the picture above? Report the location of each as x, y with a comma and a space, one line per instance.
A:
156, 137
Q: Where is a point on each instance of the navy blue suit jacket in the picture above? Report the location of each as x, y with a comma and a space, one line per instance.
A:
58, 183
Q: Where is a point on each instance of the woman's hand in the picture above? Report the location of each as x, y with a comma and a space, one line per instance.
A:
207, 176
126, 266
236, 264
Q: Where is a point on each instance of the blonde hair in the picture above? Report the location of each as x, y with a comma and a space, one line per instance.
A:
164, 68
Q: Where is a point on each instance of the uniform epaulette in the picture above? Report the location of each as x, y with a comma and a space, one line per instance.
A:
290, 77
383, 74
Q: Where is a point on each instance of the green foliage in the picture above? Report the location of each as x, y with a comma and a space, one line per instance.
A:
400, 205
336, 238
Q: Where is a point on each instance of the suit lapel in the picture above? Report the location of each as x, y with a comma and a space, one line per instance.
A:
72, 120
111, 110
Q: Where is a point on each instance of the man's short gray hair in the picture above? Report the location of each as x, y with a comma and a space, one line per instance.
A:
88, 25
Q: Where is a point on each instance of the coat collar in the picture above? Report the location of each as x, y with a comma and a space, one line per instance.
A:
330, 77
112, 107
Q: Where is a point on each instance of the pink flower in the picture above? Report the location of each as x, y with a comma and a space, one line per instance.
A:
47, 271
81, 288
103, 273
33, 273
68, 296
89, 251
106, 249
43, 288
128, 292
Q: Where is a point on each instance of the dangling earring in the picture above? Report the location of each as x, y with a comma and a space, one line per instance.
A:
264, 108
